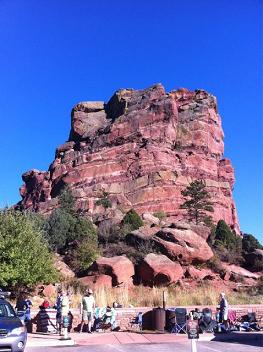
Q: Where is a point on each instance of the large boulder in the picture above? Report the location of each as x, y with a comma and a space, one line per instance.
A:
236, 270
157, 270
63, 268
196, 274
86, 119
119, 268
179, 244
183, 245
200, 230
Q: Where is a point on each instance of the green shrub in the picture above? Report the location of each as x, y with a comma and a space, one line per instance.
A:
109, 233
105, 202
250, 243
121, 248
82, 255
227, 244
66, 225
160, 215
224, 236
132, 219
25, 259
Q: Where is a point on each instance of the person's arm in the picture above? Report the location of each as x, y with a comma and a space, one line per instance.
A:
81, 307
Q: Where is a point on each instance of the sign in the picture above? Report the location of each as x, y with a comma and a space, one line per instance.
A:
65, 322
192, 329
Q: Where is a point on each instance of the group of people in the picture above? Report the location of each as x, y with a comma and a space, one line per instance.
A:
92, 315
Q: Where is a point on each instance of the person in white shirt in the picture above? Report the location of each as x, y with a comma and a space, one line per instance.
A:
223, 310
87, 308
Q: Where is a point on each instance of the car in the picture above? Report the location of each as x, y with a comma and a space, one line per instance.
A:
13, 333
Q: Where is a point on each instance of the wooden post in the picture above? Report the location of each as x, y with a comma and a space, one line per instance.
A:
164, 300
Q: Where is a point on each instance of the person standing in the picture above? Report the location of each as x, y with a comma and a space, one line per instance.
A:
224, 310
87, 310
58, 307
65, 302
23, 307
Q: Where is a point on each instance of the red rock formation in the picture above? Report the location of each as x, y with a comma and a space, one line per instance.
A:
119, 268
142, 148
179, 244
156, 270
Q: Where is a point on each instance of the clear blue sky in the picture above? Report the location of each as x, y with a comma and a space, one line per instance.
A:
55, 53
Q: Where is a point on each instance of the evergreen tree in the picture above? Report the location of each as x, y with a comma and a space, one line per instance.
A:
227, 244
250, 243
197, 202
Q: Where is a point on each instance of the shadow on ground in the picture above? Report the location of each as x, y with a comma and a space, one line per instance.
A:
244, 338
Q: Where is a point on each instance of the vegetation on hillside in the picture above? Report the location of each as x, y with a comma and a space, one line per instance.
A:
72, 234
233, 248
132, 219
197, 202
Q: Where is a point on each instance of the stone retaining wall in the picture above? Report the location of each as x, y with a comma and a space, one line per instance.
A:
125, 315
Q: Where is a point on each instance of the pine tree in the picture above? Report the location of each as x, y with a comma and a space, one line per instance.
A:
197, 202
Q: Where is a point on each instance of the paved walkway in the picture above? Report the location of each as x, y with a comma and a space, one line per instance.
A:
112, 338
125, 338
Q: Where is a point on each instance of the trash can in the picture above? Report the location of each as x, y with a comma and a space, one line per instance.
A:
159, 319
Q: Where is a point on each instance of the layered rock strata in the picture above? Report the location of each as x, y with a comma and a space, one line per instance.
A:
141, 149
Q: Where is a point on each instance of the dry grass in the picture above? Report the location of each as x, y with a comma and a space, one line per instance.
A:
140, 296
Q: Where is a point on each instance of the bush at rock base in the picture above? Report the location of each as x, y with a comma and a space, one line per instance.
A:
160, 215
133, 219
226, 244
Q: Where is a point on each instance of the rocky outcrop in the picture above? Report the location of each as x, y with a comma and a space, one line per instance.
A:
158, 270
196, 274
240, 272
142, 148
119, 268
63, 268
179, 243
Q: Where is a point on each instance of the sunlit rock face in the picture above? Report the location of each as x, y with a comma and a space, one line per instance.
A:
141, 149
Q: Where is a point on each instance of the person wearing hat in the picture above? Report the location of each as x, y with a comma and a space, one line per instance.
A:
87, 308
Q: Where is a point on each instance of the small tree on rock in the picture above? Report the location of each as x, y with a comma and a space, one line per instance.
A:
197, 202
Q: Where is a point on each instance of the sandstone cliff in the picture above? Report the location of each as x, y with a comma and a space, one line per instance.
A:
140, 149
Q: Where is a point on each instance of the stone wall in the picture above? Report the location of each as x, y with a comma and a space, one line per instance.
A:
125, 315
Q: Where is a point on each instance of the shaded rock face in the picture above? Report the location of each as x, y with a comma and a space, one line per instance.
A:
119, 268
158, 270
96, 281
143, 148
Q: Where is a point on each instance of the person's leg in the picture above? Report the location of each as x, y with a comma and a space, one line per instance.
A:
84, 320
89, 321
